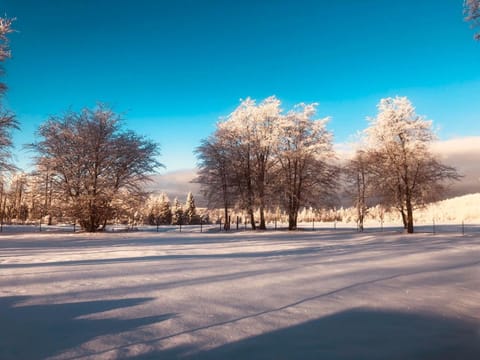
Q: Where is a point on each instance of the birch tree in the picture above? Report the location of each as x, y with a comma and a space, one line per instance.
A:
405, 170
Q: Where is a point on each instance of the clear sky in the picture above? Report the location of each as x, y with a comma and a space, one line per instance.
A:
173, 67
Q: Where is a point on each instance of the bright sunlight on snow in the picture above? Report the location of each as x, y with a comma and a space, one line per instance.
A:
305, 295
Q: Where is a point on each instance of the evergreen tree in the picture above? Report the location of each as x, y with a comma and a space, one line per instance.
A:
190, 213
165, 212
177, 213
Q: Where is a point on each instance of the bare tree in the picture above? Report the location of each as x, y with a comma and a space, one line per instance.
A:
7, 118
359, 182
472, 13
94, 164
215, 174
406, 173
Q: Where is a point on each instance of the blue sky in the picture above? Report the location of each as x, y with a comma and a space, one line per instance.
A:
173, 67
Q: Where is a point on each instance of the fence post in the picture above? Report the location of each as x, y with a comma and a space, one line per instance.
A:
433, 226
463, 227
313, 225
73, 227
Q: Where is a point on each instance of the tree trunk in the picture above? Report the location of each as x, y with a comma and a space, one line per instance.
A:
226, 224
292, 222
409, 217
292, 215
252, 219
262, 225
404, 218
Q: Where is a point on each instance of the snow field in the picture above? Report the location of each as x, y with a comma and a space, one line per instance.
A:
325, 294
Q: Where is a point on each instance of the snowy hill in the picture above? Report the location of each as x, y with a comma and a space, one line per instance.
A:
455, 210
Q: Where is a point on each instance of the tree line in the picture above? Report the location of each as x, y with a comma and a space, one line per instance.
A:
27, 198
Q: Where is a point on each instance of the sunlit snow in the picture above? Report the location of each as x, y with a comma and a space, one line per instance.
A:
273, 295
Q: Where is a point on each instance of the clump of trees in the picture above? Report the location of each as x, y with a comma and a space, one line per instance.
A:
159, 211
397, 168
94, 167
261, 157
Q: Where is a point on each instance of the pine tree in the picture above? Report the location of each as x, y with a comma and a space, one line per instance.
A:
177, 213
165, 212
190, 213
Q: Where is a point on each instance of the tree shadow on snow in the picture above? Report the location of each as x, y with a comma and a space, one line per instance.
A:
354, 334
41, 331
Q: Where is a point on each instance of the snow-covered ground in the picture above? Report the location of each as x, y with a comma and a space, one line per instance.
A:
274, 295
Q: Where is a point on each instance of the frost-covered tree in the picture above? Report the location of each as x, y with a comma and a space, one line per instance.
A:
250, 131
405, 171
5, 29
42, 201
303, 151
260, 158
190, 212
94, 163
360, 184
18, 192
216, 174
177, 213
165, 211
472, 13
158, 210
7, 118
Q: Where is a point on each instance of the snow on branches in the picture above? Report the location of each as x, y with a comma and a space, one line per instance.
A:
472, 13
265, 157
